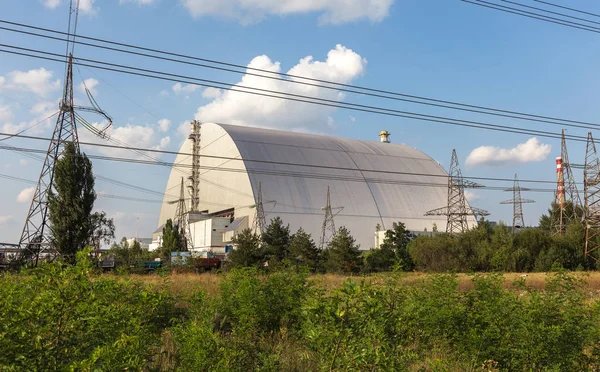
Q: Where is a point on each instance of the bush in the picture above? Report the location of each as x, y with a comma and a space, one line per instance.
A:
59, 317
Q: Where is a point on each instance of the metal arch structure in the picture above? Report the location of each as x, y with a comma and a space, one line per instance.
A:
457, 210
591, 182
517, 202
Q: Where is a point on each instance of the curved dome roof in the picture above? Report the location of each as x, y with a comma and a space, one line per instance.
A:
375, 183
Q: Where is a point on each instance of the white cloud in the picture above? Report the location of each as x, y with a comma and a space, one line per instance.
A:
5, 114
531, 151
26, 195
211, 92
342, 65
164, 124
87, 7
51, 3
252, 11
90, 84
6, 219
472, 196
164, 93
38, 81
184, 89
23, 162
142, 136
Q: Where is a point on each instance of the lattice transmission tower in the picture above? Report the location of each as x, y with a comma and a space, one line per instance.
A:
194, 178
260, 223
182, 218
517, 201
457, 210
591, 184
571, 191
328, 229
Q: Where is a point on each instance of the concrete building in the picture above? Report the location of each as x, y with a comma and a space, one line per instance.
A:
374, 182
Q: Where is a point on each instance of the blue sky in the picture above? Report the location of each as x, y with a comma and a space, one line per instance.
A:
440, 49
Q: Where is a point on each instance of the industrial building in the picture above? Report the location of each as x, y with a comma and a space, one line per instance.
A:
371, 183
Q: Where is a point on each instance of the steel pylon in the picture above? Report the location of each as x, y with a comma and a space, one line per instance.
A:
328, 230
259, 223
194, 179
36, 237
457, 210
182, 218
517, 202
591, 184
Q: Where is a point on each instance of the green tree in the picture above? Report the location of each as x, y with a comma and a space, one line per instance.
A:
70, 208
397, 239
247, 250
172, 241
276, 241
549, 222
342, 254
303, 250
102, 230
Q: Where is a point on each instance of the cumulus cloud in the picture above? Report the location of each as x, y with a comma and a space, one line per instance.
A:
143, 136
26, 195
252, 11
342, 65
38, 81
51, 3
90, 84
184, 89
164, 124
531, 151
44, 108
211, 92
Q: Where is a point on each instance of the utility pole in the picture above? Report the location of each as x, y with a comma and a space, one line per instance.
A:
457, 210
194, 179
328, 230
259, 223
591, 184
517, 202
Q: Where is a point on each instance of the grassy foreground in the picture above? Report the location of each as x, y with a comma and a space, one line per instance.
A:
70, 318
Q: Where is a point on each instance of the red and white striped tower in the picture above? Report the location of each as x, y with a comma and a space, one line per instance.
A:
560, 192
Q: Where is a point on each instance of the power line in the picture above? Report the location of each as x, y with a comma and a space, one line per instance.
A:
549, 11
572, 9
278, 76
312, 166
327, 176
316, 101
537, 16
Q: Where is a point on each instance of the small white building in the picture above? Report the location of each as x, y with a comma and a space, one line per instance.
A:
144, 242
207, 234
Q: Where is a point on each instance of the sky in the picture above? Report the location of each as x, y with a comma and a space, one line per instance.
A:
442, 49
